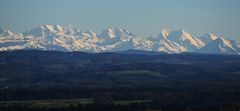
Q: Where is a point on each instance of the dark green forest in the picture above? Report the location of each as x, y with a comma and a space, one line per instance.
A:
110, 81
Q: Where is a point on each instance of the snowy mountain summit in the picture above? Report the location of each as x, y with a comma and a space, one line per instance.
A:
61, 38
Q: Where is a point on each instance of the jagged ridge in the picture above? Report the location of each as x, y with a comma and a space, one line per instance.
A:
60, 38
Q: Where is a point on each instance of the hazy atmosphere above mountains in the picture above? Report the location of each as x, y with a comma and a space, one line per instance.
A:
142, 17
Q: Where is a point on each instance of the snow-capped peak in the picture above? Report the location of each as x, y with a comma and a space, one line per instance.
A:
5, 32
39, 31
45, 30
71, 30
185, 39
225, 41
223, 46
57, 37
107, 33
118, 32
180, 35
207, 38
91, 33
58, 28
165, 33
211, 36
49, 27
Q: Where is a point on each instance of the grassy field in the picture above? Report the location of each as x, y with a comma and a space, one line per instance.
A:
139, 73
61, 103
126, 102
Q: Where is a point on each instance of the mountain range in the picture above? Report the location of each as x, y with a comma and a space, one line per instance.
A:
68, 38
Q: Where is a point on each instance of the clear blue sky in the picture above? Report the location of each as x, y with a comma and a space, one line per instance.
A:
144, 17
